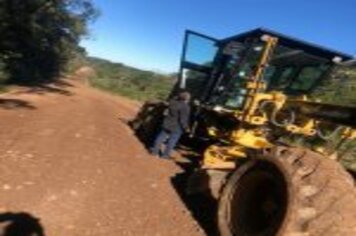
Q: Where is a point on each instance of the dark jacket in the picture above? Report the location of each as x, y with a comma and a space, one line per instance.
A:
177, 116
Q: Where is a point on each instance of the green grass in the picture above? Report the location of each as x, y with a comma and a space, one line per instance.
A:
130, 82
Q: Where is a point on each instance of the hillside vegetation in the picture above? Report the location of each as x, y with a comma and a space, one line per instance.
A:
39, 38
128, 81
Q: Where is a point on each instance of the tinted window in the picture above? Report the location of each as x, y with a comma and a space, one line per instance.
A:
194, 82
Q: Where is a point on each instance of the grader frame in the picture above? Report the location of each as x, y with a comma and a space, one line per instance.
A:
250, 130
251, 98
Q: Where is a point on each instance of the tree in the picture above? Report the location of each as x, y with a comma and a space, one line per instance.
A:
38, 37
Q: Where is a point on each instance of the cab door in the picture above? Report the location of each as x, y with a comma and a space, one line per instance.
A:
199, 52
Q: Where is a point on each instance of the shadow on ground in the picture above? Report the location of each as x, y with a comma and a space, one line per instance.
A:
353, 174
58, 87
20, 224
202, 206
13, 104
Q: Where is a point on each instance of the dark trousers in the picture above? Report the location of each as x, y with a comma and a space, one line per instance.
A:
173, 138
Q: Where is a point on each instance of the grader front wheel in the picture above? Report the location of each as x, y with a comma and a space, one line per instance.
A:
288, 192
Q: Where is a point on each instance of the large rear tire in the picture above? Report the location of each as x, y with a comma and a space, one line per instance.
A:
289, 192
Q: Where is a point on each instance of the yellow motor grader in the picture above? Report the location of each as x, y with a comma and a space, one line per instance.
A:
274, 135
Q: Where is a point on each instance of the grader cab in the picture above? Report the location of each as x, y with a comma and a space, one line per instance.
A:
261, 103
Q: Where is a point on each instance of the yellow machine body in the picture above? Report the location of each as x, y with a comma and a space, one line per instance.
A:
251, 133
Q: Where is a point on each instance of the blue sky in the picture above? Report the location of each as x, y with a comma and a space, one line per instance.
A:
148, 34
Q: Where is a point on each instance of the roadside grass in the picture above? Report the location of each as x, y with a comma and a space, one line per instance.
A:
130, 82
131, 91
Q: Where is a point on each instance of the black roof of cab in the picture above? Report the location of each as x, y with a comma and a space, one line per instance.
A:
291, 42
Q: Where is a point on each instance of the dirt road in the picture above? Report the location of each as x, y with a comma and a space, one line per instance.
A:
70, 166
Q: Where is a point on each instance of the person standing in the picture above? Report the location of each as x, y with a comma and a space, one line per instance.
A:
175, 123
